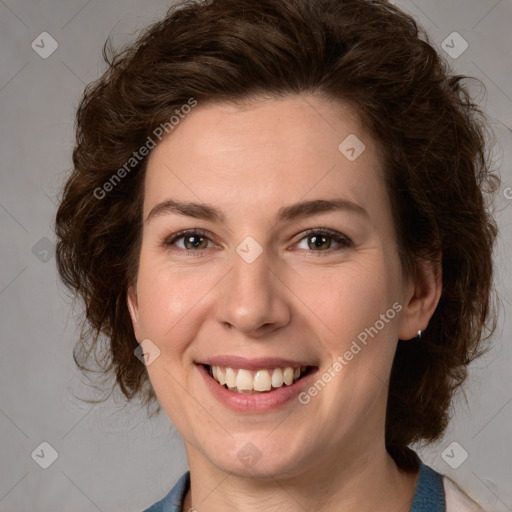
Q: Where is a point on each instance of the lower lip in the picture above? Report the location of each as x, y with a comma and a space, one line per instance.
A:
257, 402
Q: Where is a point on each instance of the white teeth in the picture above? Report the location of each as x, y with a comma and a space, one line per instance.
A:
243, 381
277, 378
230, 378
262, 381
288, 375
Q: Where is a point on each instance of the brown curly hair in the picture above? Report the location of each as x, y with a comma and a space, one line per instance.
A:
367, 53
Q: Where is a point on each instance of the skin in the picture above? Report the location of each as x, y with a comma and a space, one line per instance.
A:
294, 300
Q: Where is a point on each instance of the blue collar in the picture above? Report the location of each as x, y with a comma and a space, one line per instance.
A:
428, 497
173, 502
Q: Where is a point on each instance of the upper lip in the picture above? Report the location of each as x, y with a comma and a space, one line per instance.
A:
227, 361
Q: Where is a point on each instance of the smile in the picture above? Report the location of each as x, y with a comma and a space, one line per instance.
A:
255, 385
240, 380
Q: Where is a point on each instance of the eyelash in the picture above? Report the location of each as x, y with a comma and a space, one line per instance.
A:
343, 241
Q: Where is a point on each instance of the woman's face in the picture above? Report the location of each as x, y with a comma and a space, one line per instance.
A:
262, 292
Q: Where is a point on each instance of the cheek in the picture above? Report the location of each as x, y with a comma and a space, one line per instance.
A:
175, 301
347, 299
166, 297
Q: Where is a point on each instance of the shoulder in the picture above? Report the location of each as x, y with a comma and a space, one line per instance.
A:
457, 500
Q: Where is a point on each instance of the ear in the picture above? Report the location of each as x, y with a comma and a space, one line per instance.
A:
423, 294
133, 308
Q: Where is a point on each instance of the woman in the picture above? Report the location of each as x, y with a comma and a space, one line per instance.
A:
278, 207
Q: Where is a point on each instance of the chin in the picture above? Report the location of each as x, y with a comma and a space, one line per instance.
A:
257, 456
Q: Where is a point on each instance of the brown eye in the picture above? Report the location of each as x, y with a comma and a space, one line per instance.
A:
319, 242
193, 240
323, 240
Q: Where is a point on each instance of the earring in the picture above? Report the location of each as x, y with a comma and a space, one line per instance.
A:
419, 334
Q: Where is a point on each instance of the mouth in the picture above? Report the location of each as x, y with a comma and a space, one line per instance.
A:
256, 385
261, 381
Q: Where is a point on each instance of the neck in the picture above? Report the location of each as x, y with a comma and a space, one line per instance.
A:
368, 482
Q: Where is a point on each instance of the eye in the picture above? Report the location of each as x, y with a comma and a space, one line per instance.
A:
321, 240
193, 240
317, 240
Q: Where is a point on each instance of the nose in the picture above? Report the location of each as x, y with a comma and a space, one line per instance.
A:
253, 298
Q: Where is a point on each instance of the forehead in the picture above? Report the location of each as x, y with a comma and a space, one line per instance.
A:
266, 153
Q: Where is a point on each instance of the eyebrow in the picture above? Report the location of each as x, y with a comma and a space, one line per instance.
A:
286, 213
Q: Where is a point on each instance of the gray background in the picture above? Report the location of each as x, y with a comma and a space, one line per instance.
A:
113, 459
